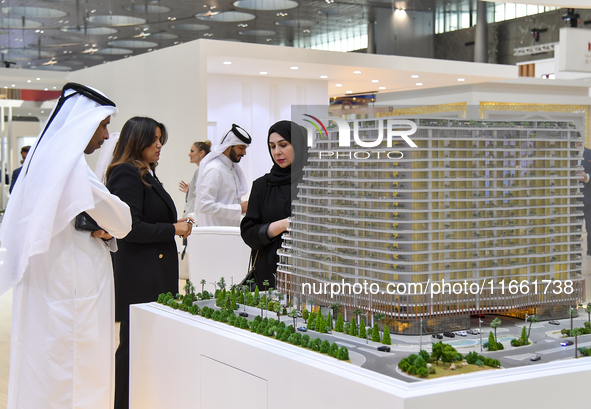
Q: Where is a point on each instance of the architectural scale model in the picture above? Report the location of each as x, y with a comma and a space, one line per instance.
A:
490, 206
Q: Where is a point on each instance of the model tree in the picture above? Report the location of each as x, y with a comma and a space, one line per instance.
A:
335, 307
320, 324
266, 284
531, 319
524, 336
305, 315
576, 332
494, 325
203, 282
294, 315
492, 344
386, 339
572, 312
340, 324
362, 330
588, 309
375, 334
329, 321
379, 318
257, 295
353, 329
357, 313
277, 310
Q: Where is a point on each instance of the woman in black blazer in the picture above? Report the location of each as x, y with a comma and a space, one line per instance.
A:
146, 263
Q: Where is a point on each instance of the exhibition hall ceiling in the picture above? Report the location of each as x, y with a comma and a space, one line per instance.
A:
66, 35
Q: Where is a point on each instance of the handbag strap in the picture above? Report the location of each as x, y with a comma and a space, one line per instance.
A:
252, 263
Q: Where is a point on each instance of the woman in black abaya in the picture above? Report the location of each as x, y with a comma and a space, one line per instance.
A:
269, 205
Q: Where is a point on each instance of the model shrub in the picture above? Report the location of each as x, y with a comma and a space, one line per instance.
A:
479, 362
432, 370
472, 357
296, 338
412, 370
411, 358
243, 323
305, 340
500, 346
305, 315
324, 346
425, 355
316, 344
524, 336
423, 372
353, 329
362, 330
329, 321
420, 362
347, 327
333, 350
403, 364
285, 335
339, 326
517, 342
386, 339
343, 354
216, 315
278, 333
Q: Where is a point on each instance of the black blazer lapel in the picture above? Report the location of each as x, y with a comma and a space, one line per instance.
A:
153, 180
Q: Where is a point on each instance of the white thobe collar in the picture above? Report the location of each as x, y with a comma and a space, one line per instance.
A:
227, 161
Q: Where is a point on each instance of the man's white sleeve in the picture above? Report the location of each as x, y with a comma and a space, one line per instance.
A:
212, 184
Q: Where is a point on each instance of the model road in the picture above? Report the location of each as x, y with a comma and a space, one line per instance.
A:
545, 341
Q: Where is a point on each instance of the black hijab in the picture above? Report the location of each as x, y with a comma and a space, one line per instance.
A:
296, 135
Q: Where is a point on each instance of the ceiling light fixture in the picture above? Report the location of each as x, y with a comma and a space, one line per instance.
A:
414, 76
382, 87
227, 62
38, 79
356, 72
419, 84
338, 85
349, 92
461, 79
375, 80
28, 80
324, 76
295, 68
263, 72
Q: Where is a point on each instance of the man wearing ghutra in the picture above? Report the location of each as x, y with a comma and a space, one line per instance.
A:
221, 183
62, 338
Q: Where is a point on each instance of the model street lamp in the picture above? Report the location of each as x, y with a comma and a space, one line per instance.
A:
480, 331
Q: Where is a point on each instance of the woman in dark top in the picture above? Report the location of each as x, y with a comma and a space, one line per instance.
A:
146, 263
269, 205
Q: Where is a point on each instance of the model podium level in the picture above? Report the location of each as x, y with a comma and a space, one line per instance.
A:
477, 203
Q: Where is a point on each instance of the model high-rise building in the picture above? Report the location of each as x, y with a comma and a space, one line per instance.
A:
490, 206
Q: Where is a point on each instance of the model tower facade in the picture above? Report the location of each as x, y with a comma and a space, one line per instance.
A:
490, 206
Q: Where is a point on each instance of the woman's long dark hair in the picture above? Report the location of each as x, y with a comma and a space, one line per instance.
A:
137, 134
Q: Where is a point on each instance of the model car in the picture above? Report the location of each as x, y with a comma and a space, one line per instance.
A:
243, 314
554, 322
438, 336
449, 334
566, 343
303, 329
471, 332
461, 333
384, 348
535, 357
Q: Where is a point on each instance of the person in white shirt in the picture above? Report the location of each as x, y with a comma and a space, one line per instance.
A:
221, 183
63, 323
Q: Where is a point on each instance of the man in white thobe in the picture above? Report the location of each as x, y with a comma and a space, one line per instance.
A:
62, 337
221, 183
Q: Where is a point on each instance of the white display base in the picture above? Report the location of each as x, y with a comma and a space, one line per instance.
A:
185, 361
